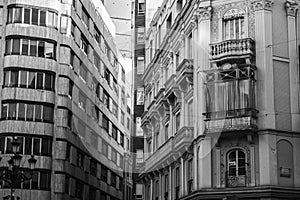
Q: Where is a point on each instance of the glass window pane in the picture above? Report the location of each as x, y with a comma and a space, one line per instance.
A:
24, 47
40, 77
41, 49
14, 78
50, 18
34, 181
44, 180
49, 50
47, 114
18, 15
12, 111
8, 144
26, 15
28, 145
16, 46
35, 13
23, 81
8, 46
38, 114
21, 112
48, 82
6, 78
29, 112
46, 147
31, 80
33, 47
10, 15
4, 111
26, 184
42, 18
36, 146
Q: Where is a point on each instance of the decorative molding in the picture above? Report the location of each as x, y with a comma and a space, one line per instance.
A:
263, 5
234, 13
204, 13
291, 8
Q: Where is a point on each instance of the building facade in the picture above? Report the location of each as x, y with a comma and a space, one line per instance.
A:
221, 116
64, 98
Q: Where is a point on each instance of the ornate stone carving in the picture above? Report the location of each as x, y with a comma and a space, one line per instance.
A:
204, 13
263, 5
291, 8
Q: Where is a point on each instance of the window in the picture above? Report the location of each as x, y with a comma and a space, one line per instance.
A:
179, 5
166, 186
140, 35
84, 44
104, 173
123, 75
31, 47
236, 163
234, 24
113, 155
97, 61
114, 109
92, 193
45, 180
32, 16
177, 121
128, 123
141, 7
190, 113
97, 35
106, 98
45, 80
122, 117
139, 156
190, 176
93, 167
27, 112
140, 65
104, 148
67, 184
123, 96
122, 139
80, 159
166, 132
73, 25
140, 96
83, 72
105, 123
85, 17
79, 190
82, 101
113, 180
107, 75
156, 190
114, 132
232, 94
177, 183
169, 22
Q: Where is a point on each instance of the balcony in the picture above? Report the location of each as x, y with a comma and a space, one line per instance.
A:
183, 139
159, 158
231, 49
239, 119
185, 74
236, 181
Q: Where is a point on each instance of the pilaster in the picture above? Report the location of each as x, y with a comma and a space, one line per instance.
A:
291, 9
204, 166
264, 63
182, 177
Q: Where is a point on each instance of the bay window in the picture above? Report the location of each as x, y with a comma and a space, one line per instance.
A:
230, 92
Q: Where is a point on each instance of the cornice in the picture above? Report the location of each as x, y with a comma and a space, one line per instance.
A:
262, 5
291, 8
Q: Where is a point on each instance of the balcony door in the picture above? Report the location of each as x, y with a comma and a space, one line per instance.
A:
236, 168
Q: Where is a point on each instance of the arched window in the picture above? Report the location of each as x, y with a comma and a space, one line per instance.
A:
234, 24
236, 163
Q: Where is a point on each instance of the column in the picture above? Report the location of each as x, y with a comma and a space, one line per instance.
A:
151, 189
160, 186
170, 183
182, 177
195, 170
291, 9
252, 164
264, 62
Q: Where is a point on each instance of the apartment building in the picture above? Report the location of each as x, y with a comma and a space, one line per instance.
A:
221, 116
64, 97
